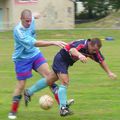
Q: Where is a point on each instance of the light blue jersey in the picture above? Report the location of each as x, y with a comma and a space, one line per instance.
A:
24, 40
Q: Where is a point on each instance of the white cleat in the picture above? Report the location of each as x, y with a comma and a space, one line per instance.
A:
70, 102
64, 111
12, 115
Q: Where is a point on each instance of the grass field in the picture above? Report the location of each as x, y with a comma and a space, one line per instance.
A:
96, 96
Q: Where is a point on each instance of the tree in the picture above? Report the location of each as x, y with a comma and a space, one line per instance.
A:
115, 4
96, 8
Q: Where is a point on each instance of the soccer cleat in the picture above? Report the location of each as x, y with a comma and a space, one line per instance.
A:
12, 115
70, 102
64, 111
27, 97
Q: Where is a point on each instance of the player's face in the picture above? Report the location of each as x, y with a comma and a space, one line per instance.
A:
26, 21
92, 48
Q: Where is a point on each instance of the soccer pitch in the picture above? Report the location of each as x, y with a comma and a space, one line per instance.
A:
96, 96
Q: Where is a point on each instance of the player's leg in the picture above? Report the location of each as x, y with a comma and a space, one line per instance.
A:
41, 66
42, 83
60, 67
16, 98
51, 77
62, 94
23, 71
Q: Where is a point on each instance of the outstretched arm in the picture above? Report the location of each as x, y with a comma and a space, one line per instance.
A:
41, 43
107, 70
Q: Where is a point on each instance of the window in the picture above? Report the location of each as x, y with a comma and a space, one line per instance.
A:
25, 1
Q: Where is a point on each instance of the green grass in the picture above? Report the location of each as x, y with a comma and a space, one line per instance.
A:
96, 96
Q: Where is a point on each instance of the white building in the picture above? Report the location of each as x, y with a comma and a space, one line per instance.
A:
55, 14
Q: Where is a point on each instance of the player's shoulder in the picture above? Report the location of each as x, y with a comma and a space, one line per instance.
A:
80, 41
19, 31
18, 28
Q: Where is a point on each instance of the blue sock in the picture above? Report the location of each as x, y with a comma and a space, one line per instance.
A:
42, 83
17, 98
62, 95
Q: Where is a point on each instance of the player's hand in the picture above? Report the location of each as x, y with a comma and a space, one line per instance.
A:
60, 43
112, 76
82, 58
36, 15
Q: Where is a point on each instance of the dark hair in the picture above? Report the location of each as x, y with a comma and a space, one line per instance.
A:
94, 41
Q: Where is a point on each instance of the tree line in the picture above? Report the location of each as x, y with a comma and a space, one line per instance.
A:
96, 9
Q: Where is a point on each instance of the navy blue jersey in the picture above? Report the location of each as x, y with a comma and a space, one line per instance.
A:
82, 47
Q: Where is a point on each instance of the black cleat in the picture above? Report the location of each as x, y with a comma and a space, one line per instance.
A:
27, 97
64, 111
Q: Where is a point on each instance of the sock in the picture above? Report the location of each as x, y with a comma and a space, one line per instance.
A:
54, 88
15, 103
42, 83
62, 95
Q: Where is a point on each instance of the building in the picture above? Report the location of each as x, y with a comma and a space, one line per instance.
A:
79, 7
55, 14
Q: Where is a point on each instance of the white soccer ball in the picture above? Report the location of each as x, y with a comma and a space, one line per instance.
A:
46, 102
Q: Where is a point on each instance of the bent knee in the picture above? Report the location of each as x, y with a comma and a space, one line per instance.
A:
65, 83
51, 80
21, 85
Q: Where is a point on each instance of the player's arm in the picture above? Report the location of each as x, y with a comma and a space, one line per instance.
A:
107, 70
36, 15
76, 53
28, 41
41, 43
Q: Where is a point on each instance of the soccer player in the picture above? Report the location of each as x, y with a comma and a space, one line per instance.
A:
27, 56
66, 57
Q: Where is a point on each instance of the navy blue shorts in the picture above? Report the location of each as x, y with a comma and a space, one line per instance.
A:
24, 67
60, 65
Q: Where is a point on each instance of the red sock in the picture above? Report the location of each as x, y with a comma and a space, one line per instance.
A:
54, 89
56, 97
15, 106
15, 103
